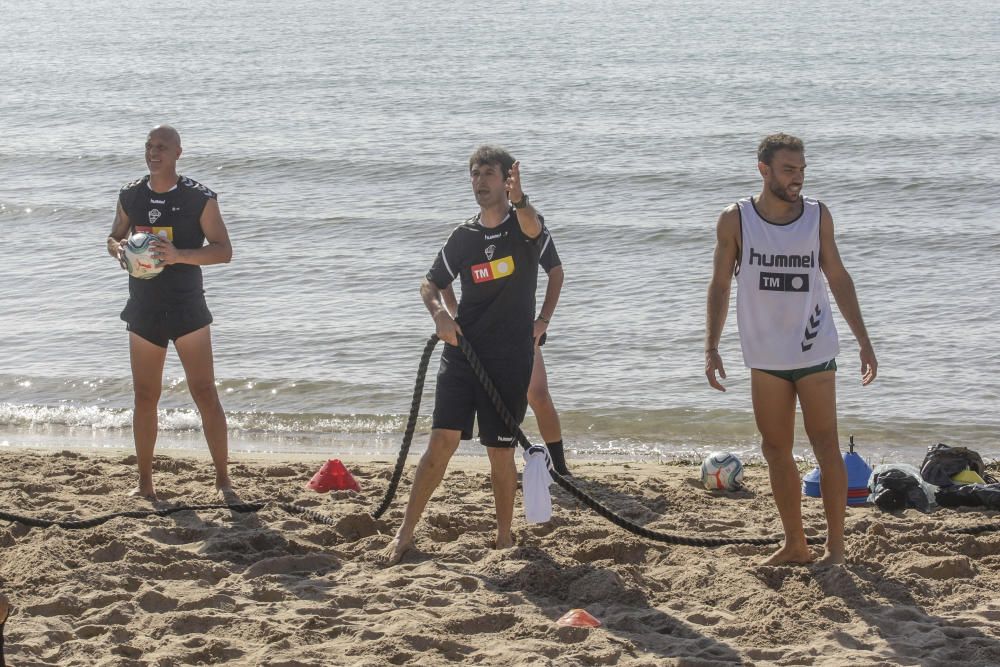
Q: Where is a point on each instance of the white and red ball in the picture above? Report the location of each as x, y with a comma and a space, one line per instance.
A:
722, 471
138, 261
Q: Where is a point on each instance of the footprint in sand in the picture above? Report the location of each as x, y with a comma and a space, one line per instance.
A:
619, 552
316, 563
154, 602
216, 601
465, 584
703, 619
941, 567
110, 553
356, 526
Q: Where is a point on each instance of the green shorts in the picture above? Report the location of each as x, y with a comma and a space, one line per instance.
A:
797, 374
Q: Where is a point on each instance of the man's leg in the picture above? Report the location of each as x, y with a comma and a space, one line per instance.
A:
503, 474
818, 398
147, 381
541, 404
430, 471
195, 352
774, 411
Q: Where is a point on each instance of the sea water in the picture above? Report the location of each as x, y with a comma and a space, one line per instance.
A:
337, 135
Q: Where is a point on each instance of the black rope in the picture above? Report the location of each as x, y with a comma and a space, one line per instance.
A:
411, 423
588, 500
509, 421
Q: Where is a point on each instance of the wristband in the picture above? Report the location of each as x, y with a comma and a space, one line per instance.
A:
543, 319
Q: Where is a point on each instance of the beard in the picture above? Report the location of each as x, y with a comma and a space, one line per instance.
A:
783, 194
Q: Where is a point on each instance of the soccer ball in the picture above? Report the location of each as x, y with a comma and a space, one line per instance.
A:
138, 263
722, 471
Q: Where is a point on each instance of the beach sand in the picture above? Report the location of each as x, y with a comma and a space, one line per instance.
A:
272, 588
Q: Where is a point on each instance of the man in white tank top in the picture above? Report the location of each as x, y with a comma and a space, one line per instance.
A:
780, 246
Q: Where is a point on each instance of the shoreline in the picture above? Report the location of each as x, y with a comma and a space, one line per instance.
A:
275, 588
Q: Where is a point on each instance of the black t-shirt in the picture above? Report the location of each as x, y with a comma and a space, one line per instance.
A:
499, 272
549, 258
175, 215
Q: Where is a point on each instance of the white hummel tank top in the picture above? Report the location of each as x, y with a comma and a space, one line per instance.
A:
782, 306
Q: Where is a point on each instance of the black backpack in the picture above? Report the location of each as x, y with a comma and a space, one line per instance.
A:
943, 461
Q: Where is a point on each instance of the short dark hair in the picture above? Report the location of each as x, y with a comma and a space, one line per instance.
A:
773, 143
487, 154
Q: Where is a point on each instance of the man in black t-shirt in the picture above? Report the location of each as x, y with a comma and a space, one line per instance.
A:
183, 214
495, 254
539, 397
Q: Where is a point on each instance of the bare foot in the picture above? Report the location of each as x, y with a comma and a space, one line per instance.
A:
394, 551
789, 555
143, 492
4, 608
830, 559
505, 542
227, 495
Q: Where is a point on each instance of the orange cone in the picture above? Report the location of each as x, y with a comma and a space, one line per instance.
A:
578, 618
333, 476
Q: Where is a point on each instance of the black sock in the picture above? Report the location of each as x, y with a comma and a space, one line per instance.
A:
558, 457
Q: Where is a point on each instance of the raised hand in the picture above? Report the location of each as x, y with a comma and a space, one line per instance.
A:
514, 191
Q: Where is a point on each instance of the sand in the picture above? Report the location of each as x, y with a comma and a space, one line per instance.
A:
276, 589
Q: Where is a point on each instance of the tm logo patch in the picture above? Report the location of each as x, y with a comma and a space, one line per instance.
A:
498, 268
784, 282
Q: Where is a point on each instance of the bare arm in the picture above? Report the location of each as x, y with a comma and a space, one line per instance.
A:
553, 289
119, 232
217, 250
446, 326
450, 302
527, 217
842, 287
727, 249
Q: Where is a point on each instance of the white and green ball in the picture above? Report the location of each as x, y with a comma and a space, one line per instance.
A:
138, 262
722, 471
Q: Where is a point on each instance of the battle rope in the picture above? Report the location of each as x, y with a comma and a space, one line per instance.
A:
511, 423
576, 492
411, 423
588, 500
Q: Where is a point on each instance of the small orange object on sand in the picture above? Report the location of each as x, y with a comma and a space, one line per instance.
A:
333, 476
578, 618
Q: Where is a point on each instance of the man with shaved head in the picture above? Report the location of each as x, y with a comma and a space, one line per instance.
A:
184, 216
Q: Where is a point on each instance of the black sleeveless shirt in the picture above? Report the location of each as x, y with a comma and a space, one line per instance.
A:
175, 215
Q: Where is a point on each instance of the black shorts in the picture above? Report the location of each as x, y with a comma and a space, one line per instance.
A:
162, 326
460, 398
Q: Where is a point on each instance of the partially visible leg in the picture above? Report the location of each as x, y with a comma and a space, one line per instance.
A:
430, 471
503, 474
195, 352
541, 404
147, 382
774, 411
818, 398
